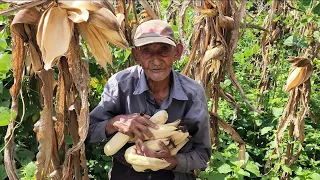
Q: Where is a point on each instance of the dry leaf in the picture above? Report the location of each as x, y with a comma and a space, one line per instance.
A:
56, 32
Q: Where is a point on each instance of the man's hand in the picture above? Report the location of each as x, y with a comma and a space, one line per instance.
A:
164, 153
131, 125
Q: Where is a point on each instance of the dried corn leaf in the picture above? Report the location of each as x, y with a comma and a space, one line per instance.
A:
61, 100
216, 53
23, 6
35, 58
18, 54
104, 19
149, 10
302, 63
120, 18
78, 15
44, 126
296, 78
92, 5
226, 22
56, 34
97, 43
27, 16
81, 78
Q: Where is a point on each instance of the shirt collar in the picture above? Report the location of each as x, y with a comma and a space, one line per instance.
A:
176, 90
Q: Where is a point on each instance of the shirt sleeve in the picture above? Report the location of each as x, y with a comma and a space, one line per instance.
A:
107, 109
196, 153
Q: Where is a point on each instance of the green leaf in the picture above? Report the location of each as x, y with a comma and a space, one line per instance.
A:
265, 130
277, 112
316, 10
30, 170
225, 168
68, 140
286, 169
316, 35
248, 53
24, 153
1, 87
290, 41
5, 63
227, 82
3, 173
253, 168
3, 44
5, 116
243, 172
315, 176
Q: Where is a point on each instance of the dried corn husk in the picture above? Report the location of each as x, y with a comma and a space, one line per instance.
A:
92, 5
78, 15
97, 43
295, 60
120, 18
296, 78
226, 22
105, 19
54, 34
216, 53
106, 23
302, 63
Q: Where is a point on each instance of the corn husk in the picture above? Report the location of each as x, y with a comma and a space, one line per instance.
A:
226, 22
54, 35
296, 77
97, 43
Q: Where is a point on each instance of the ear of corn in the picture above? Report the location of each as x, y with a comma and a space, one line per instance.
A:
163, 131
116, 143
179, 137
119, 139
296, 78
174, 123
160, 117
140, 160
154, 144
174, 150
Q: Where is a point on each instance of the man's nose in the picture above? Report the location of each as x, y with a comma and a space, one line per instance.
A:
156, 60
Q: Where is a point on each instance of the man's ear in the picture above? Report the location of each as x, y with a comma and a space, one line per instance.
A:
135, 56
179, 50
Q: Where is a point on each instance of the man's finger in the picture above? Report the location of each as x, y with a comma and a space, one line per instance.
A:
145, 130
138, 147
163, 146
138, 134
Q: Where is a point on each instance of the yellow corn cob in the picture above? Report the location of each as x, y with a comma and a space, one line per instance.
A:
174, 150
119, 139
174, 123
152, 163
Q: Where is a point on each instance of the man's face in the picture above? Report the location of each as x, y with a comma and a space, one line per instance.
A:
156, 60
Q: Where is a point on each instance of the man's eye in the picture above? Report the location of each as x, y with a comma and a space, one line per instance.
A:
146, 51
164, 49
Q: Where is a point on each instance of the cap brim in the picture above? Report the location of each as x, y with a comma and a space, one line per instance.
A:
150, 40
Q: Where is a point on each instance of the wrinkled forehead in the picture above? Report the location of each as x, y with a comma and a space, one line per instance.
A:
156, 46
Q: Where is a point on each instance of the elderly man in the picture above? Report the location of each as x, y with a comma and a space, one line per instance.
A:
131, 96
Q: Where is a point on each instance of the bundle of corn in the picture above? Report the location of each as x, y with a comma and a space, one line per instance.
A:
173, 136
